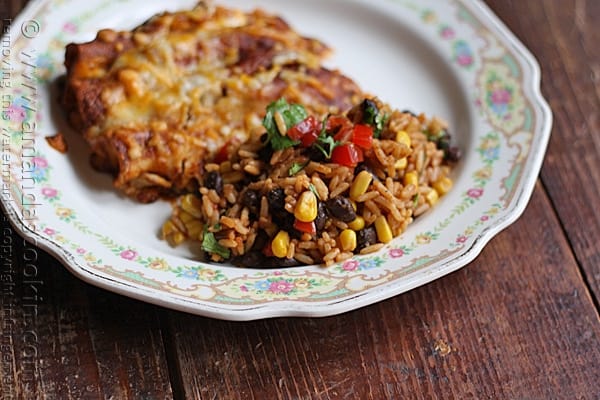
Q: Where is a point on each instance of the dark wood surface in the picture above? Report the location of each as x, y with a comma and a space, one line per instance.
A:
519, 322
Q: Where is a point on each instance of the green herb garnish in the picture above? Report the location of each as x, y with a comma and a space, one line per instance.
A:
211, 245
291, 113
415, 200
325, 143
372, 116
295, 168
313, 189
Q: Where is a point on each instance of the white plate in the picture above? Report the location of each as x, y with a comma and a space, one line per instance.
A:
450, 58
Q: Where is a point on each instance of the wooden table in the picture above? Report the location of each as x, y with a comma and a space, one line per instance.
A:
520, 322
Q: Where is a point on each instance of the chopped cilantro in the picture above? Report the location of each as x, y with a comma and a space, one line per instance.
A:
295, 168
313, 189
373, 117
291, 113
415, 200
325, 143
210, 245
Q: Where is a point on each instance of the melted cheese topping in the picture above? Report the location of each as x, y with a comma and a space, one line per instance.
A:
186, 74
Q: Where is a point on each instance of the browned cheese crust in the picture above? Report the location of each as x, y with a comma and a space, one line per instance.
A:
153, 103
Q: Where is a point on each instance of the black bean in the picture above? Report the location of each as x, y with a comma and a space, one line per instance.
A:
364, 167
355, 114
341, 208
253, 259
453, 154
276, 199
315, 154
409, 112
213, 180
266, 151
365, 237
251, 199
274, 262
262, 238
443, 140
285, 221
256, 259
363, 113
321, 216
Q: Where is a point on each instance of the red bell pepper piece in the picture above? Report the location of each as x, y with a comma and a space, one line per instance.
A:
305, 131
362, 136
347, 154
306, 227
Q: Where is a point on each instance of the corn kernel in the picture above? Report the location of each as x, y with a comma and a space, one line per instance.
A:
357, 224
411, 178
192, 205
168, 228
432, 197
348, 240
384, 232
176, 239
194, 229
306, 207
443, 185
186, 217
280, 244
402, 137
171, 234
360, 184
401, 163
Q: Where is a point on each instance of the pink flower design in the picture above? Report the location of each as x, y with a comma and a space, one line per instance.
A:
350, 265
16, 113
49, 192
281, 287
395, 253
277, 273
80, 250
475, 193
447, 33
128, 254
49, 231
40, 162
464, 60
243, 288
69, 27
501, 96
484, 218
461, 239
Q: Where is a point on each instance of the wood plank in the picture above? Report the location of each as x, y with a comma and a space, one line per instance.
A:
516, 323
565, 37
64, 339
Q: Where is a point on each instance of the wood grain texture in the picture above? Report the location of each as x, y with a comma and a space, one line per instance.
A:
63, 339
564, 36
515, 324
